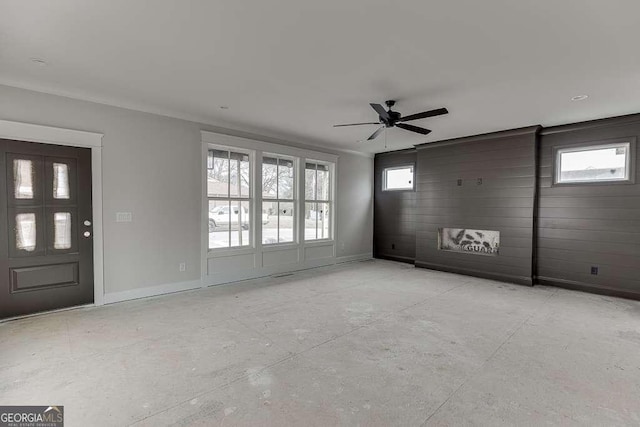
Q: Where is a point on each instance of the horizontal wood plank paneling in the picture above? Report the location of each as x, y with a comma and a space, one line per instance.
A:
503, 201
584, 226
394, 211
564, 229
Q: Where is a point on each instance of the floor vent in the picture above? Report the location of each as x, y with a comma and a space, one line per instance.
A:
282, 275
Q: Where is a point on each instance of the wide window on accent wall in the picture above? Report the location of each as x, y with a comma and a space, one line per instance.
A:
317, 189
229, 198
278, 199
594, 163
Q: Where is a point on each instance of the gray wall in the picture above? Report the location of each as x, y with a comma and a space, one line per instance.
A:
151, 167
394, 218
581, 226
506, 163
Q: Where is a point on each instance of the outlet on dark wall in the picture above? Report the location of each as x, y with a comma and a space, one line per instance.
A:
594, 271
393, 246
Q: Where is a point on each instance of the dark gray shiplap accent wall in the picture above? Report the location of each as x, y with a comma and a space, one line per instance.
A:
581, 226
394, 212
506, 163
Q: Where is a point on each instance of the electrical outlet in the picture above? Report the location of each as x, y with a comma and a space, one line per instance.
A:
123, 217
594, 270
183, 266
459, 183
393, 246
479, 181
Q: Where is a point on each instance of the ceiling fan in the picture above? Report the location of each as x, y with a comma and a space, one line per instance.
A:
389, 119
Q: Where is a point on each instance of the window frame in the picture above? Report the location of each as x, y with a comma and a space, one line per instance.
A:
329, 201
294, 200
250, 198
629, 143
403, 166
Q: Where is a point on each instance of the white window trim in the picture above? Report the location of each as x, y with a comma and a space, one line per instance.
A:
294, 199
234, 250
331, 202
629, 161
260, 147
413, 181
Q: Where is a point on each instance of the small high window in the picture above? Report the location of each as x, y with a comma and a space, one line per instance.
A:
398, 178
594, 163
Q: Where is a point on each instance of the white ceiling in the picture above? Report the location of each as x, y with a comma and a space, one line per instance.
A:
293, 68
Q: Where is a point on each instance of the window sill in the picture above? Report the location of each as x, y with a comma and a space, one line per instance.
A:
395, 190
594, 183
226, 252
279, 246
319, 242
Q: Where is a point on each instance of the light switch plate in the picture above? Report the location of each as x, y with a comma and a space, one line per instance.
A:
123, 217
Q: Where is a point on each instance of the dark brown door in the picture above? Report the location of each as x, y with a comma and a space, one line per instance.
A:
46, 233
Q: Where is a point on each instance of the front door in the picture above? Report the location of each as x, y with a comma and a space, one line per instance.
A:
46, 234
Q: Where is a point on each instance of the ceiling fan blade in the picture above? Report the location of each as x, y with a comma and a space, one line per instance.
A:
357, 124
381, 112
412, 128
376, 133
425, 114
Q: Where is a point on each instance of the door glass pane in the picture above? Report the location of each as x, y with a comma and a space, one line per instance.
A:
269, 178
310, 181
26, 232
323, 221
269, 222
219, 220
285, 222
60, 181
310, 221
23, 178
218, 173
62, 230
285, 179
323, 182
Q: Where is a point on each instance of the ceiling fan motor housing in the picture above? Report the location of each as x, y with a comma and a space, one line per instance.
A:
394, 116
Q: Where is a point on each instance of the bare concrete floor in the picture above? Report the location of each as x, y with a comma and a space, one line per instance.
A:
371, 343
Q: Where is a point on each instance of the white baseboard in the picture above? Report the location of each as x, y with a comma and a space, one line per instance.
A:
168, 288
151, 291
352, 258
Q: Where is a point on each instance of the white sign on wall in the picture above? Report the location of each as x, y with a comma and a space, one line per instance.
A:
479, 242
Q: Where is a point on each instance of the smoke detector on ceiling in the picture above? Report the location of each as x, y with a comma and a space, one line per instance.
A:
39, 61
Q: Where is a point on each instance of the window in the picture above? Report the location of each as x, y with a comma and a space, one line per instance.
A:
229, 198
317, 211
595, 163
397, 178
278, 200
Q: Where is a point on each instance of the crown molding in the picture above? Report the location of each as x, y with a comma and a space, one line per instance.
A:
206, 123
